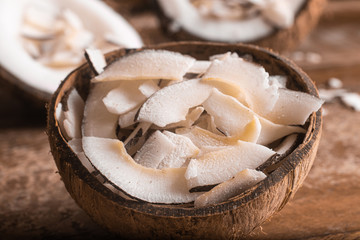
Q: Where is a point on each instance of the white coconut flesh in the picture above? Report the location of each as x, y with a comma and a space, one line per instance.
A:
219, 166
148, 184
192, 116
149, 64
164, 107
249, 78
233, 119
242, 181
97, 59
288, 100
227, 21
46, 39
183, 134
154, 150
125, 97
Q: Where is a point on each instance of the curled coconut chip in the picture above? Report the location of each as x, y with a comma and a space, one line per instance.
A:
182, 137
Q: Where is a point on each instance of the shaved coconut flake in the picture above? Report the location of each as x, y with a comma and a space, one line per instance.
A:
293, 107
329, 95
184, 149
127, 119
278, 80
124, 98
76, 145
229, 114
286, 144
199, 67
335, 83
223, 56
164, 107
271, 131
204, 138
60, 116
352, 100
219, 166
72, 19
148, 64
148, 88
158, 186
74, 115
41, 14
190, 118
32, 48
36, 34
78, 41
249, 78
252, 131
95, 59
60, 59
234, 119
154, 150
98, 121
137, 138
231, 188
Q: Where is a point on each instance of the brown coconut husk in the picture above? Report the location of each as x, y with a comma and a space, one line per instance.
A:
281, 40
235, 218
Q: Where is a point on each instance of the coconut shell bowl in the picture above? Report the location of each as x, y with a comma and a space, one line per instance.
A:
236, 217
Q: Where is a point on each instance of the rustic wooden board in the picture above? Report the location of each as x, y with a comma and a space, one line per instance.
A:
34, 203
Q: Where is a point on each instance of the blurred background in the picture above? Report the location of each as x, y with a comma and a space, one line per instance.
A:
35, 205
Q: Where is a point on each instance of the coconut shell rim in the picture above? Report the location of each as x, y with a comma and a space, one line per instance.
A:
58, 143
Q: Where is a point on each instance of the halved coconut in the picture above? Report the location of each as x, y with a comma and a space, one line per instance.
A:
88, 20
234, 218
277, 24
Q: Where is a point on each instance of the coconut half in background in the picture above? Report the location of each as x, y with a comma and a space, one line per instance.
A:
43, 41
277, 24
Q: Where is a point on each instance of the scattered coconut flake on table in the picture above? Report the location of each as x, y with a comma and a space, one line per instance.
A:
335, 83
310, 57
350, 99
164, 139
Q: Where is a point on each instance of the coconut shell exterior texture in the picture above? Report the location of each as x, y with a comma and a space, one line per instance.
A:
233, 219
281, 40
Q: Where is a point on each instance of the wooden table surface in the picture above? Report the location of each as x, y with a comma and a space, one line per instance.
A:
35, 205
